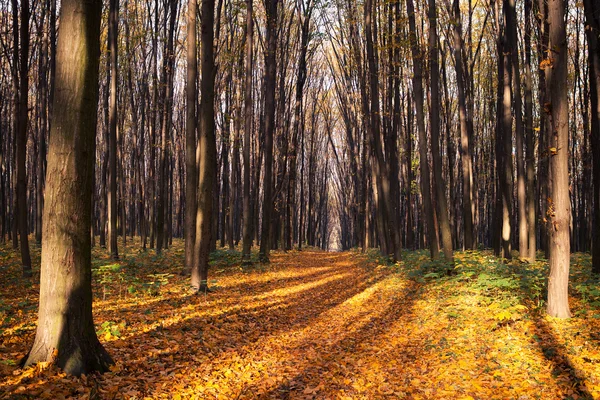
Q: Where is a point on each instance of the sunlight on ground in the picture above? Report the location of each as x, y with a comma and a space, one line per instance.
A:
314, 326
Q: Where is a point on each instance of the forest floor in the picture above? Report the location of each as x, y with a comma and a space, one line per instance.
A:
316, 325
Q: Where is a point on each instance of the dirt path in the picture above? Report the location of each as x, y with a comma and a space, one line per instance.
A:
312, 325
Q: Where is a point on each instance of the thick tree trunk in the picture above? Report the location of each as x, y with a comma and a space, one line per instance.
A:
207, 149
65, 333
191, 187
559, 213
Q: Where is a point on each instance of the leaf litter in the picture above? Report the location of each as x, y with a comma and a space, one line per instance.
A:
316, 325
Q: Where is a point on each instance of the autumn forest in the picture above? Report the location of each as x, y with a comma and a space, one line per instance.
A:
276, 199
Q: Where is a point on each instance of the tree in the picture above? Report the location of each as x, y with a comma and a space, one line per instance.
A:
434, 120
559, 208
248, 111
65, 332
113, 27
417, 82
592, 30
512, 52
21, 156
207, 150
269, 109
191, 187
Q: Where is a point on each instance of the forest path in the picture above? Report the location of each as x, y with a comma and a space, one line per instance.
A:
310, 325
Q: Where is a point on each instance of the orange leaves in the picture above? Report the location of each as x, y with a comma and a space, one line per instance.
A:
316, 326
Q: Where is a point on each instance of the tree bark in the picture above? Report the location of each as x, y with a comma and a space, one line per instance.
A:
592, 22
248, 117
207, 150
191, 187
418, 94
529, 138
434, 121
65, 333
112, 140
559, 208
510, 15
270, 76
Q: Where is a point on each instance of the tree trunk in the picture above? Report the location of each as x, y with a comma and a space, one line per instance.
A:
162, 198
529, 137
65, 333
112, 140
465, 134
207, 149
191, 187
510, 15
21, 155
434, 120
423, 146
248, 117
592, 21
559, 208
270, 76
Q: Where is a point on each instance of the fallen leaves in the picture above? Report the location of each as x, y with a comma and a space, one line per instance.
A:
314, 325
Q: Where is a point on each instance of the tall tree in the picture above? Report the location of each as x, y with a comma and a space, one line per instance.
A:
529, 136
248, 111
113, 33
304, 9
417, 81
207, 150
167, 74
269, 127
434, 122
21, 156
65, 333
592, 25
465, 132
191, 188
559, 208
512, 52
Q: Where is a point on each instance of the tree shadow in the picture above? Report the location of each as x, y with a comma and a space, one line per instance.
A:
556, 354
365, 337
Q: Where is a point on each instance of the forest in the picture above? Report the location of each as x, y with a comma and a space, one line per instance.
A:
299, 199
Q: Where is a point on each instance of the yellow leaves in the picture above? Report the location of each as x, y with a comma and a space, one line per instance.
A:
546, 63
320, 326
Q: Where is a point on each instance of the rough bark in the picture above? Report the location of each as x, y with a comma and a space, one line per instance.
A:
559, 207
65, 334
191, 186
